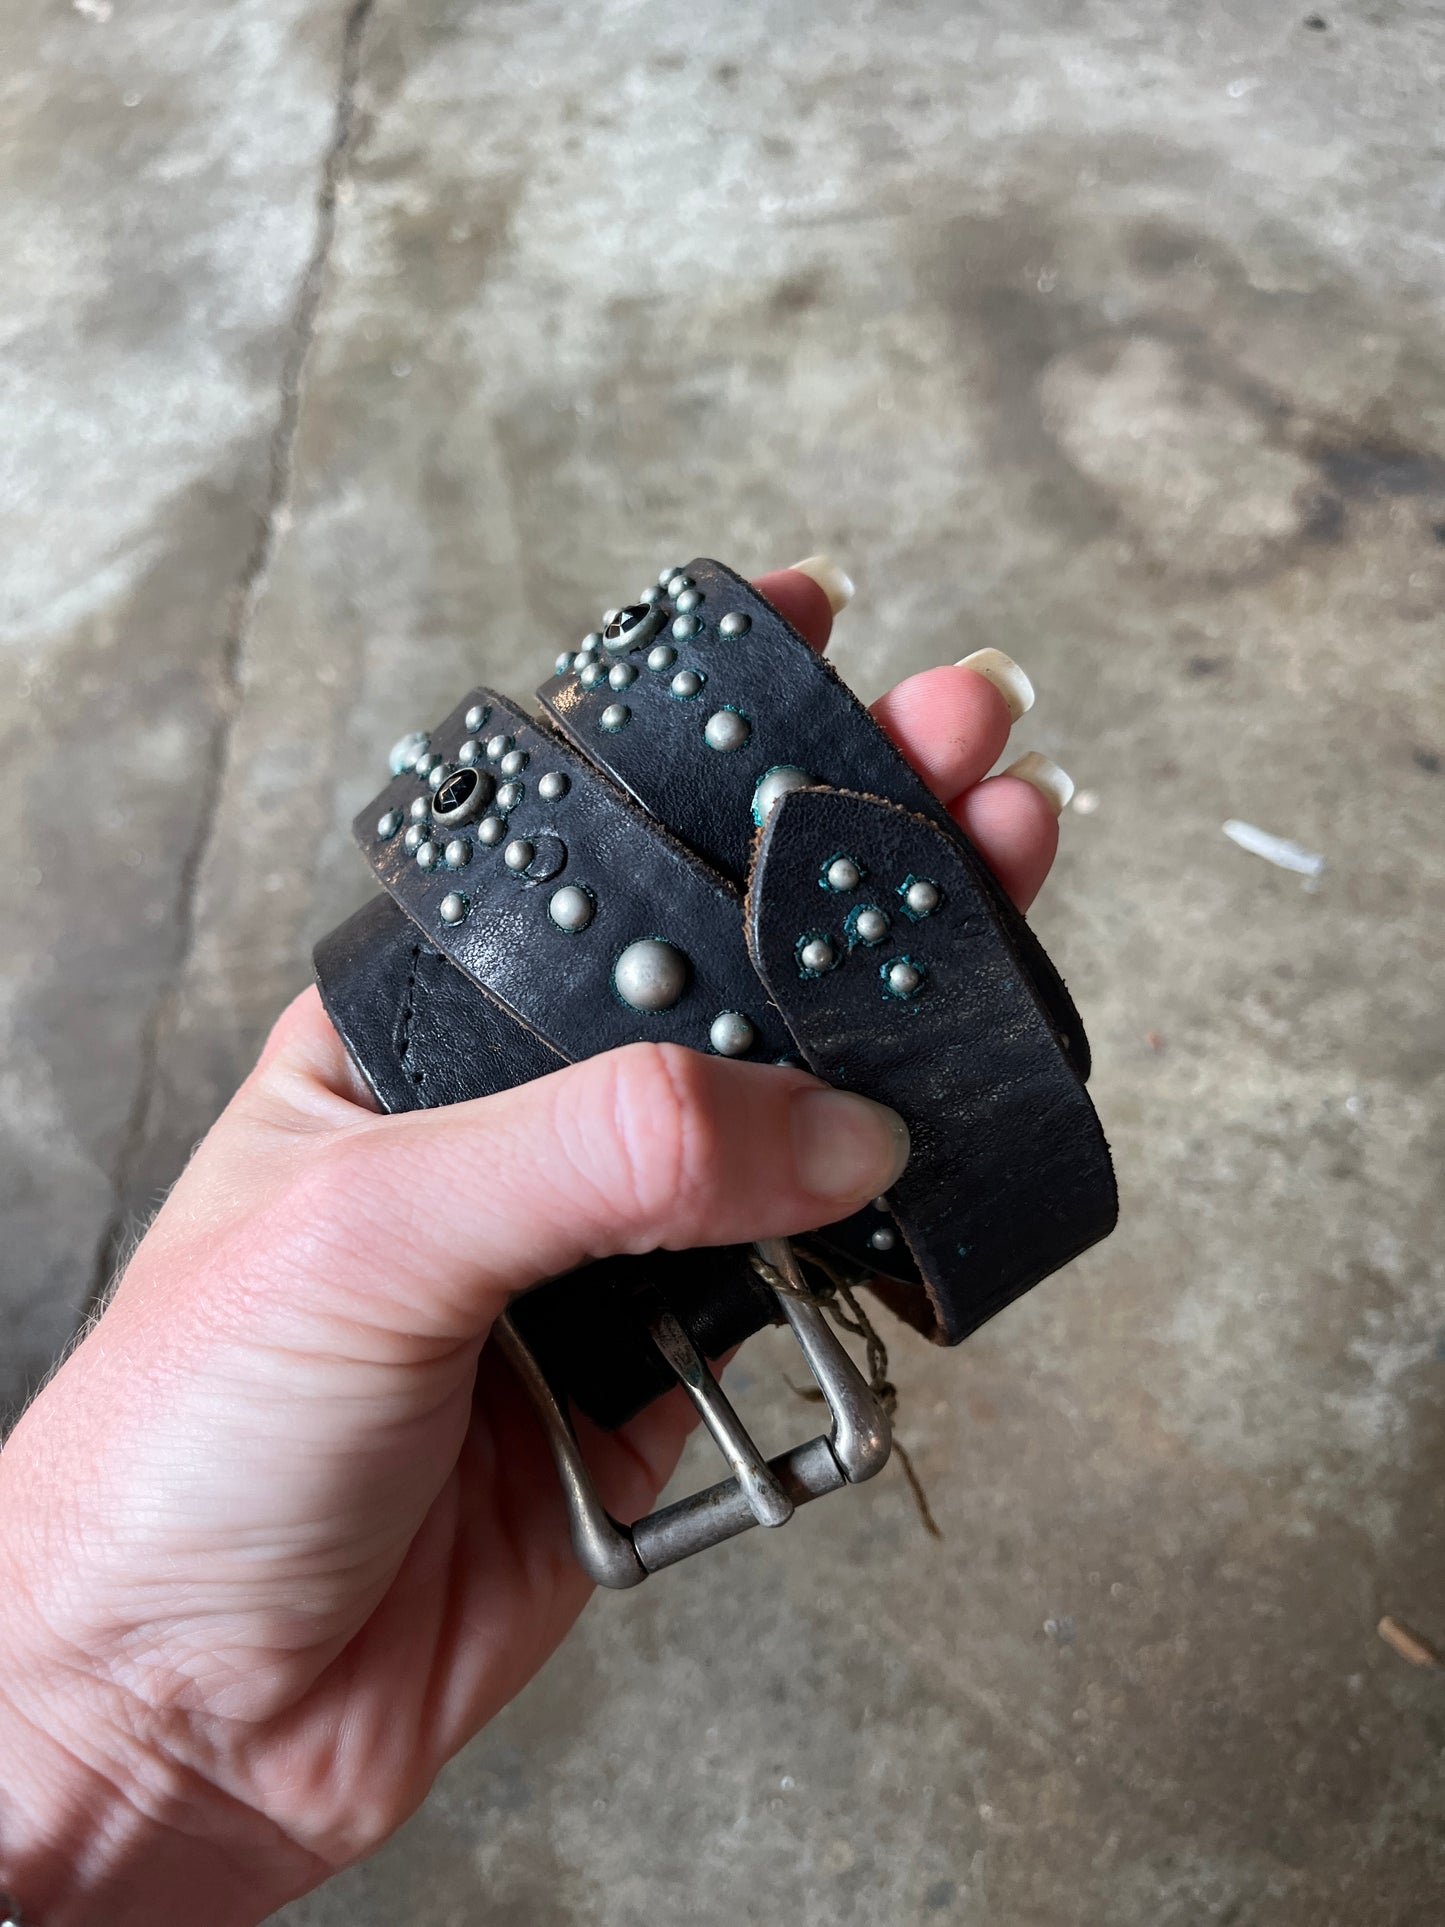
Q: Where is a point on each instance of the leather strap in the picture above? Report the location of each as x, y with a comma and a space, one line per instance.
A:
551, 898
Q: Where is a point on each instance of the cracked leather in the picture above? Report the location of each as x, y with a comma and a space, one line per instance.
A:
985, 1059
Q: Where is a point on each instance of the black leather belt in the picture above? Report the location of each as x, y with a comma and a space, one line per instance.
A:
706, 839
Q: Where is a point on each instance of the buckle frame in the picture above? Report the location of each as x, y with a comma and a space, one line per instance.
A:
760, 1491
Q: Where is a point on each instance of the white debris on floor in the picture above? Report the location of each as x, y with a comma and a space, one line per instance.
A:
1279, 850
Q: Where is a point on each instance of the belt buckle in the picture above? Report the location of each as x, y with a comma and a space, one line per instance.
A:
761, 1491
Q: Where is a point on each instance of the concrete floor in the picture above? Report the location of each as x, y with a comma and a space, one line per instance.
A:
352, 354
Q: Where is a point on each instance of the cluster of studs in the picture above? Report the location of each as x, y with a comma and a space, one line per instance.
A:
627, 630
867, 924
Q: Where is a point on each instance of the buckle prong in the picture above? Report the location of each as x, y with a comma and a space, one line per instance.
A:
761, 1491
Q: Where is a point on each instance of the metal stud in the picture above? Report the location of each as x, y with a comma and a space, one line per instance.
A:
406, 749
666, 575
518, 854
510, 795
652, 593
491, 830
870, 925
686, 684
427, 855
883, 1239
424, 765
734, 625
583, 657
686, 627
662, 657
592, 675
651, 974
497, 747
437, 775
592, 644
616, 716
902, 979
476, 717
677, 583
388, 825
842, 874
689, 600
419, 809
553, 786
458, 853
453, 907
563, 662
470, 750
726, 729
922, 897
816, 955
622, 675
514, 762
731, 1034
571, 908
775, 784
413, 839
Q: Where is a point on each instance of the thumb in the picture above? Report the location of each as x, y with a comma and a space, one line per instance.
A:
450, 1212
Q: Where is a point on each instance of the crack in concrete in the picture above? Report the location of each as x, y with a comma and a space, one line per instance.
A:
118, 1236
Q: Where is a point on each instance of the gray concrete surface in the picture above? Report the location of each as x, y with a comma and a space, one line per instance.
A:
352, 355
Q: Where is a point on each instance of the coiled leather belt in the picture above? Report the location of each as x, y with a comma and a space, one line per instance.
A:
704, 838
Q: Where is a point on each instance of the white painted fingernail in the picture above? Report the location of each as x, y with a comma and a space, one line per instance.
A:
835, 583
1055, 785
1006, 676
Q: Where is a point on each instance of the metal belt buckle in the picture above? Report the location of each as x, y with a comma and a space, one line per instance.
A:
761, 1491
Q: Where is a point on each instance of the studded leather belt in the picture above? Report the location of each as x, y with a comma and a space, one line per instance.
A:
705, 839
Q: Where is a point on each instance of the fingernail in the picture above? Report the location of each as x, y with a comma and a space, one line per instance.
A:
1055, 785
1006, 676
847, 1146
835, 583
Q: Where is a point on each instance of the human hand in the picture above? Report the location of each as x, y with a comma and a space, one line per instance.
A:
282, 1534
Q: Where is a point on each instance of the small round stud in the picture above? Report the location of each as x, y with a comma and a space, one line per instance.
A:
424, 765
518, 854
406, 749
476, 717
453, 907
553, 786
419, 809
665, 575
686, 627
388, 825
903, 978
689, 600
571, 908
458, 853
731, 1035
514, 762
870, 925
816, 955
594, 673
609, 616
774, 785
883, 1239
582, 658
461, 796
591, 645
650, 974
436, 776
490, 831
470, 750
510, 795
563, 663
662, 657
842, 874
686, 684
414, 839
497, 747
616, 716
734, 625
678, 583
726, 729
428, 856
922, 897
622, 675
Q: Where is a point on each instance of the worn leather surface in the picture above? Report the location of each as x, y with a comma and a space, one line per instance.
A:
1010, 1175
